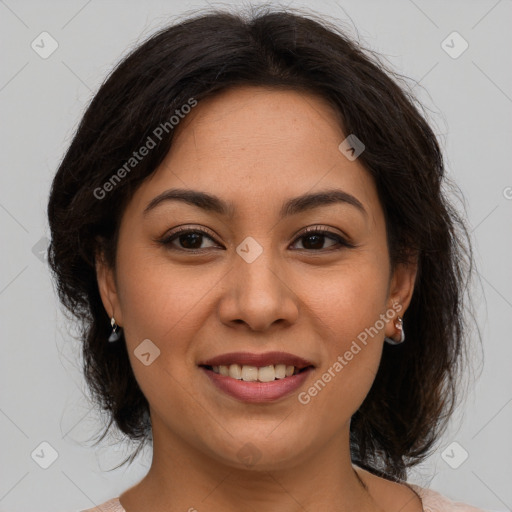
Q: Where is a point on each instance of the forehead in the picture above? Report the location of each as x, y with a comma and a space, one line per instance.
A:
253, 145
249, 117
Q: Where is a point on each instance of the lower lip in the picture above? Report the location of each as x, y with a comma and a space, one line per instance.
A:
257, 392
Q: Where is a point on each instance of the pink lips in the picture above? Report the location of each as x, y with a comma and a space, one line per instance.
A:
257, 392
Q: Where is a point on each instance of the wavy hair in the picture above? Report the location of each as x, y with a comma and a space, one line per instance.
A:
416, 387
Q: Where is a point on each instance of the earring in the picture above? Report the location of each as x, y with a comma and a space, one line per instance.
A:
115, 335
399, 325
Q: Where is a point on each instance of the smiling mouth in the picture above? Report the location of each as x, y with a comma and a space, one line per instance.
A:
249, 373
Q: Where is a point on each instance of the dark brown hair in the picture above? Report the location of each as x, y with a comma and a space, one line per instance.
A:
416, 386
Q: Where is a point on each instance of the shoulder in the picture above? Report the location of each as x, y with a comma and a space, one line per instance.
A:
436, 502
112, 505
404, 496
432, 502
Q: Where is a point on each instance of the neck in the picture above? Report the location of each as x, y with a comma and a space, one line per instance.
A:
182, 477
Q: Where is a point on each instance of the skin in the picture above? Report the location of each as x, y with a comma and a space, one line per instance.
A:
256, 147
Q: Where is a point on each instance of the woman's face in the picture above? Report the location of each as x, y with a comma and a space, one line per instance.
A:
253, 282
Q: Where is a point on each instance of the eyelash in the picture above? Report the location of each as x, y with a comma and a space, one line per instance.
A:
313, 230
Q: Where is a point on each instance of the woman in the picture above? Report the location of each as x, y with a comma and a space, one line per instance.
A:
250, 226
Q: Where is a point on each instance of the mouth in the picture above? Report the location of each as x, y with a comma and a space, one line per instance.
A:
257, 377
249, 373
251, 367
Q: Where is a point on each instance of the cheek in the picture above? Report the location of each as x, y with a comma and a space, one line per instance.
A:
161, 303
156, 295
165, 303
349, 298
348, 308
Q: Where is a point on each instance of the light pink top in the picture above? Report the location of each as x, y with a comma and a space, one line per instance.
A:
432, 502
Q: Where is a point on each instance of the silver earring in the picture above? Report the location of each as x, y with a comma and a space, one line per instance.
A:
399, 325
115, 335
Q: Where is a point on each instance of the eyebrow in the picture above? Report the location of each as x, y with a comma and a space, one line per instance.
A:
212, 203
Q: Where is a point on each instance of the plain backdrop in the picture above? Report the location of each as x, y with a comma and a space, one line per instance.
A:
42, 97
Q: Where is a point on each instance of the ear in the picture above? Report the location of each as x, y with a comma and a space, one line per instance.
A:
401, 288
107, 287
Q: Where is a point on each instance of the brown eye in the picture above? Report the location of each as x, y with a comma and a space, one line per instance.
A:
190, 240
187, 239
314, 239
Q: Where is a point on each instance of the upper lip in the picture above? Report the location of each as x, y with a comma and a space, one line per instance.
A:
252, 359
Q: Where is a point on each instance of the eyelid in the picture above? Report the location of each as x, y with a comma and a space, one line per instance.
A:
319, 227
165, 240
190, 227
328, 232
341, 239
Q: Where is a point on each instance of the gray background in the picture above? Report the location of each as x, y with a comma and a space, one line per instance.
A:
43, 396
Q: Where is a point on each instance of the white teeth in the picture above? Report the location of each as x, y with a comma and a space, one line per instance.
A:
280, 371
235, 371
249, 373
267, 373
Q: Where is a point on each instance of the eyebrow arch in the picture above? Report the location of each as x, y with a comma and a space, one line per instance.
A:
210, 202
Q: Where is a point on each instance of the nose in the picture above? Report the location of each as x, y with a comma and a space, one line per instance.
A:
259, 294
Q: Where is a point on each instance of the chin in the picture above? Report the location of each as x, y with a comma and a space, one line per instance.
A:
261, 452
